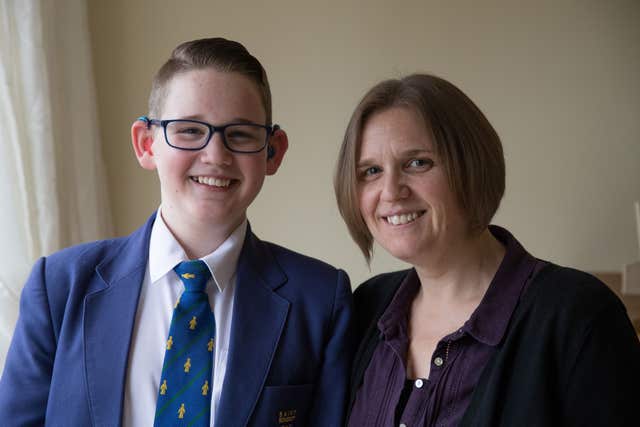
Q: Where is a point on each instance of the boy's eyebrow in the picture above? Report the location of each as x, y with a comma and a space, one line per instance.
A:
241, 120
191, 117
201, 119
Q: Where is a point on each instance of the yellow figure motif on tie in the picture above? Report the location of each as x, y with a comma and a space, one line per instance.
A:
210, 345
181, 411
205, 388
188, 275
193, 323
163, 387
169, 343
187, 364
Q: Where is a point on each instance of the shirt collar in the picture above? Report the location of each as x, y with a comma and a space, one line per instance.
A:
488, 323
165, 253
393, 323
490, 319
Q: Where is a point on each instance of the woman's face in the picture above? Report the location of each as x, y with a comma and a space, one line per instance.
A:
403, 191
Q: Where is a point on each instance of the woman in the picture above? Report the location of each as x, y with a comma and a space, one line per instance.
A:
478, 332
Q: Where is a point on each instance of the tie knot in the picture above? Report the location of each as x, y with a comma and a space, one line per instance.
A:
193, 274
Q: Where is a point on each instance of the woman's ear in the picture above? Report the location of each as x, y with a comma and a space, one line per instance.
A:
142, 141
278, 144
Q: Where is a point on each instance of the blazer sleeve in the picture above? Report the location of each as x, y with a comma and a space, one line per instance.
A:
331, 393
603, 384
25, 382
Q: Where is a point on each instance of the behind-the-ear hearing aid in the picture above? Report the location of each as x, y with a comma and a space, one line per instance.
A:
270, 151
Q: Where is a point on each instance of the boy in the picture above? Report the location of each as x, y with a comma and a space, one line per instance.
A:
129, 331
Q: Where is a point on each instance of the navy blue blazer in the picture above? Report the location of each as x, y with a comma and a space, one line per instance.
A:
289, 355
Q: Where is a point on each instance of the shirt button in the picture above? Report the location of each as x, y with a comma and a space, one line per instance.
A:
402, 425
419, 383
438, 361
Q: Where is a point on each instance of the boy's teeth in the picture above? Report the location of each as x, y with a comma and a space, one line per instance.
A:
402, 219
213, 181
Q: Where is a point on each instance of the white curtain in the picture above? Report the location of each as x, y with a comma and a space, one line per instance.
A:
52, 180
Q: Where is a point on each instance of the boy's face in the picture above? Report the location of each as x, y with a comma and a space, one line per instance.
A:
212, 186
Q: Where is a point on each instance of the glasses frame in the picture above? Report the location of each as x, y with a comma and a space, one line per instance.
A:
271, 129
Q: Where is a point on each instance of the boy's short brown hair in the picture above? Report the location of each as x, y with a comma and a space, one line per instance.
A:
467, 144
217, 53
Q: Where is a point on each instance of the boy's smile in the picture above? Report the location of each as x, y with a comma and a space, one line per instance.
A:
207, 192
211, 181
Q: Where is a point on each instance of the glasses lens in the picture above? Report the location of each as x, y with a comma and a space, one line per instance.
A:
246, 138
187, 134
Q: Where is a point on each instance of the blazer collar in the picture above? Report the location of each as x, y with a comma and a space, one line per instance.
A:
259, 316
109, 316
258, 320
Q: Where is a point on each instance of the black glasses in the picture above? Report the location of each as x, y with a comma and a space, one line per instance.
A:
195, 135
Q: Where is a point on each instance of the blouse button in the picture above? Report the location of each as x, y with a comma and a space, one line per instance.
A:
438, 361
419, 383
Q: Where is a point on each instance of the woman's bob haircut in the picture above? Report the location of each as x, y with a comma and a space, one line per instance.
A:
468, 146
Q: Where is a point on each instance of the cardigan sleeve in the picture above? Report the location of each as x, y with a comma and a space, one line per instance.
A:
603, 384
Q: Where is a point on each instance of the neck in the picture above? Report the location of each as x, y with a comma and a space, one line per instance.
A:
461, 271
198, 238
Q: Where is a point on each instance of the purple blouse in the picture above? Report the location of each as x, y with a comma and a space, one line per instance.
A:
388, 398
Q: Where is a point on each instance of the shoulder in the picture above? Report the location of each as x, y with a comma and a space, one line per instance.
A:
83, 259
373, 296
59, 282
571, 292
379, 289
83, 254
563, 307
75, 269
314, 288
69, 270
79, 259
297, 265
559, 348
305, 277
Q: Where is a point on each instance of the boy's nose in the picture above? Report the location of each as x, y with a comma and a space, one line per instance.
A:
215, 152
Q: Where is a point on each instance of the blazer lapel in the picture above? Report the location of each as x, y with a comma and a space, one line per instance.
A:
109, 316
259, 317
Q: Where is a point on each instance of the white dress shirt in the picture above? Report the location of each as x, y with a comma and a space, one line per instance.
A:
160, 290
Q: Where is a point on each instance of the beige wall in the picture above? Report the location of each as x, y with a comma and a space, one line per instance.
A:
559, 80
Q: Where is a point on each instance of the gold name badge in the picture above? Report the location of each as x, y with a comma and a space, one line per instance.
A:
286, 418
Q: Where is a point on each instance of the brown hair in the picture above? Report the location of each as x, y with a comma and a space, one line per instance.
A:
463, 138
218, 53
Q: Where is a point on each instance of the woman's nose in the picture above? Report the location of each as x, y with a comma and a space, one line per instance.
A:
394, 187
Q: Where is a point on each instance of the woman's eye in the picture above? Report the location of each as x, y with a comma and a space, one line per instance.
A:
422, 164
369, 172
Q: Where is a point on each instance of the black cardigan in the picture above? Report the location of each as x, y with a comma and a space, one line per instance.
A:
570, 356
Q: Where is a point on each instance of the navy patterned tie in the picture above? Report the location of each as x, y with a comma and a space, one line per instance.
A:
184, 395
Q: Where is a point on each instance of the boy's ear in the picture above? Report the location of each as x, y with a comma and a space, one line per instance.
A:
142, 140
279, 144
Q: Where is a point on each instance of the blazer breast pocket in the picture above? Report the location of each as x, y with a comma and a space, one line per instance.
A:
283, 406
